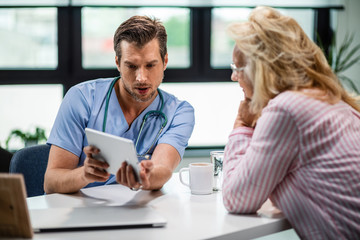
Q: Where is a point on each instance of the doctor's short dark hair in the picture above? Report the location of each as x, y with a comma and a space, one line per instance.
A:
141, 30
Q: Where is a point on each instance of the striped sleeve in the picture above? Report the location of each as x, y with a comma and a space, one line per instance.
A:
255, 162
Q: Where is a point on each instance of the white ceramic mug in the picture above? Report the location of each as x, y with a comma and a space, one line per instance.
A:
201, 177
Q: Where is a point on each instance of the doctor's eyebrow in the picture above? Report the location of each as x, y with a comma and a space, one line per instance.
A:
150, 62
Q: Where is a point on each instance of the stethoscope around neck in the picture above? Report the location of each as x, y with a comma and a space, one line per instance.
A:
147, 115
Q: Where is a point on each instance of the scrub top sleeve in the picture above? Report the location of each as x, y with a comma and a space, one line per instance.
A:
181, 128
69, 127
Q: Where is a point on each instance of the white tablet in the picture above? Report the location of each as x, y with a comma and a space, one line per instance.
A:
114, 150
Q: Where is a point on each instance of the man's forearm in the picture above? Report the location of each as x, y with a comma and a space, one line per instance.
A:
64, 180
159, 176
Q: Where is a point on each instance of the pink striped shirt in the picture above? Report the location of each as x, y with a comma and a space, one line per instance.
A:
305, 155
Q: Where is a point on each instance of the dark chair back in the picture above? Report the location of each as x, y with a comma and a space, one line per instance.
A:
31, 162
5, 157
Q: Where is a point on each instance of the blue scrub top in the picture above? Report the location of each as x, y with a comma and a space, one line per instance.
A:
84, 106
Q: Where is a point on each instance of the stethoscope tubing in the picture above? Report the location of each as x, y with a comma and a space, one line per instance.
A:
159, 112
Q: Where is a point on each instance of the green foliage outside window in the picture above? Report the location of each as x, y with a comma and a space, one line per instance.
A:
178, 31
28, 138
342, 58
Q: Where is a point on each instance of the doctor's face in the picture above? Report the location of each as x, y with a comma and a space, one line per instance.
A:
141, 69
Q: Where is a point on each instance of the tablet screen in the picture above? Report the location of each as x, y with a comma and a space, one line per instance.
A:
114, 150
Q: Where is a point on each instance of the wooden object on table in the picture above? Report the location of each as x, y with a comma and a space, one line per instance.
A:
14, 215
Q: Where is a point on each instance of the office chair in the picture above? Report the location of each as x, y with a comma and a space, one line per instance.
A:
31, 162
5, 157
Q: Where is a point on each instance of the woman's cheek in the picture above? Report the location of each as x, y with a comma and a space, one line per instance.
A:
247, 88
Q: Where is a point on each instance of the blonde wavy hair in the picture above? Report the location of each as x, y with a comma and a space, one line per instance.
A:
281, 57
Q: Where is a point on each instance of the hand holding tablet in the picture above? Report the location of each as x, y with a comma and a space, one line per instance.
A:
114, 150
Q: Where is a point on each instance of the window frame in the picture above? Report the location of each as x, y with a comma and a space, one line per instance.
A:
70, 71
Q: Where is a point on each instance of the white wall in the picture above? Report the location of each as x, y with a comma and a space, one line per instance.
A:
26, 107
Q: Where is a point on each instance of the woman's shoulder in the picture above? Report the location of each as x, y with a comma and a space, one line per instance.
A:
293, 101
287, 98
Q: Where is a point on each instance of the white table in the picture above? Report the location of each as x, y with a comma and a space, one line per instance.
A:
188, 216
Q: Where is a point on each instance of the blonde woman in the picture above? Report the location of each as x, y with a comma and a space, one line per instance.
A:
296, 139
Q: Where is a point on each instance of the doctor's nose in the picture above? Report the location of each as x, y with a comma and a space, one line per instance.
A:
141, 75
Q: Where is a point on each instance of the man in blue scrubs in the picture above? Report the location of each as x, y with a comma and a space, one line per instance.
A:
119, 106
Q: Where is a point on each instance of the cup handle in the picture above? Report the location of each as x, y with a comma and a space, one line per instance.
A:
180, 175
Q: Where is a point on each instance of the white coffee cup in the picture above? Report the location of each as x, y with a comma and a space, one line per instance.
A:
201, 177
